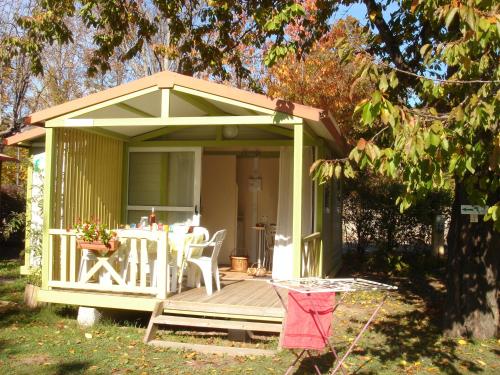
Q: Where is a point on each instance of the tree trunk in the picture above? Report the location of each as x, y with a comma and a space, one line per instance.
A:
472, 308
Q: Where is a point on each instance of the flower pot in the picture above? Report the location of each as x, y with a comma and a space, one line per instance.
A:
31, 296
99, 247
239, 264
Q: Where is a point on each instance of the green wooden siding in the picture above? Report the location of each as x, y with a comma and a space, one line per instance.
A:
87, 178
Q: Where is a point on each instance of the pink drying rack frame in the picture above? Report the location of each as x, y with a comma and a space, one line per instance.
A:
344, 286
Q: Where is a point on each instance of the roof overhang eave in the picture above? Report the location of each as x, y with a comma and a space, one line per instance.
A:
26, 136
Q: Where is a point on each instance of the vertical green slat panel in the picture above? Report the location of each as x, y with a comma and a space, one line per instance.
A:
55, 177
91, 180
47, 202
90, 171
118, 179
97, 173
85, 183
106, 185
79, 182
56, 198
124, 200
74, 180
67, 185
298, 143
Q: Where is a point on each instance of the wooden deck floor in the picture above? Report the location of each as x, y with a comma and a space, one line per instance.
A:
241, 298
249, 298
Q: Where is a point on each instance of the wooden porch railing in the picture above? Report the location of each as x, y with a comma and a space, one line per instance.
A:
311, 255
134, 268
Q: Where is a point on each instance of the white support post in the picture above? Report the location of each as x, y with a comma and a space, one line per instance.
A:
165, 104
133, 262
298, 144
162, 265
144, 262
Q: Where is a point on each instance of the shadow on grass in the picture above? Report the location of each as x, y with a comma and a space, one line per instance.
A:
128, 318
411, 333
23, 315
416, 333
73, 367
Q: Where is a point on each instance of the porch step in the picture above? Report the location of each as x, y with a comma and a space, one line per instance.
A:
157, 318
216, 323
212, 349
173, 306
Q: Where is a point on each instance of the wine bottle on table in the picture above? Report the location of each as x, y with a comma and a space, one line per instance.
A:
152, 217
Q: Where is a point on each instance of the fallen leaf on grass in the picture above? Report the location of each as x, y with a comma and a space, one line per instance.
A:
88, 335
482, 363
462, 342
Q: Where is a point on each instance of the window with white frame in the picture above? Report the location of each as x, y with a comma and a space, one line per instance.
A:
167, 179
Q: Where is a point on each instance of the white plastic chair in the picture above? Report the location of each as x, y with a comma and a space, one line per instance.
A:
207, 264
201, 230
191, 272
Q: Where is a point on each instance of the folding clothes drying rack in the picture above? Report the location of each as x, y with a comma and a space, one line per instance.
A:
345, 286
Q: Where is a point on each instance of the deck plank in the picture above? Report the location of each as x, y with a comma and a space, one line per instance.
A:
237, 294
267, 298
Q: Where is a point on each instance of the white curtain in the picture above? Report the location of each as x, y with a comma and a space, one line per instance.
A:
180, 179
307, 192
283, 248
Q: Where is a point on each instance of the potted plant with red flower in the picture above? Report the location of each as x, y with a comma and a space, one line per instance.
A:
92, 235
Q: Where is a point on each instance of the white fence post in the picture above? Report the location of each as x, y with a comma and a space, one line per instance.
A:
162, 265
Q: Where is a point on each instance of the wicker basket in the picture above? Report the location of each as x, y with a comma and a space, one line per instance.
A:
256, 271
239, 264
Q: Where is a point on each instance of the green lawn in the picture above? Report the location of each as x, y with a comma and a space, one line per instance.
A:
404, 340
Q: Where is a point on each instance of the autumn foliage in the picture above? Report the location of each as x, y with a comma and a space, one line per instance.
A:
319, 78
